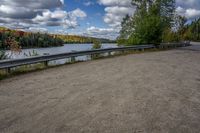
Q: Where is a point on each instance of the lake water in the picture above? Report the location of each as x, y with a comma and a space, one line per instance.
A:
55, 50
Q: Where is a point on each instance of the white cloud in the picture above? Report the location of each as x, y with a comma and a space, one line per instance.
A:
16, 12
115, 2
37, 29
62, 1
94, 29
31, 13
60, 18
88, 3
195, 4
115, 14
192, 13
78, 13
188, 13
109, 33
116, 10
34, 4
188, 8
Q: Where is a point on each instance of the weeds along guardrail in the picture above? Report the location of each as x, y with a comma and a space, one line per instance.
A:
8, 64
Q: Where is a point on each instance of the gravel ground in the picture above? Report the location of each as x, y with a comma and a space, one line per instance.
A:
156, 92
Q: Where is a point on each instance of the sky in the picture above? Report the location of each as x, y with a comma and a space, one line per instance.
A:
96, 18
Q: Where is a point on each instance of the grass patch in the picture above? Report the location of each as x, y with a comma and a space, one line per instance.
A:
3, 74
21, 70
27, 68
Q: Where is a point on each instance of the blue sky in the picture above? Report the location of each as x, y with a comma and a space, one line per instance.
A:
97, 18
95, 13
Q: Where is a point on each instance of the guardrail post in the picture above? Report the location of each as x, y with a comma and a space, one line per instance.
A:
109, 53
73, 59
8, 70
123, 51
93, 56
46, 63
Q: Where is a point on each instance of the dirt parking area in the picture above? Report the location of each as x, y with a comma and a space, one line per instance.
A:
156, 92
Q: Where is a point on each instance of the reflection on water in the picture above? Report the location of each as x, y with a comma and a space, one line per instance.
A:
57, 50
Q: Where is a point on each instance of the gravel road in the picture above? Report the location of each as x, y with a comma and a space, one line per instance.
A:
156, 92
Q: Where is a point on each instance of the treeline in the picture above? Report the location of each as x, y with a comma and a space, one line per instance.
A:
155, 22
34, 40
185, 32
192, 31
27, 40
70, 39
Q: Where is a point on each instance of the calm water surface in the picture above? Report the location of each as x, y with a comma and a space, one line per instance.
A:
56, 50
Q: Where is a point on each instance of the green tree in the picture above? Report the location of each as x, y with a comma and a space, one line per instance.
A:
127, 27
150, 20
96, 45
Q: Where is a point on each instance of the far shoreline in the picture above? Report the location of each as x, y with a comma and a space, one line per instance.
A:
60, 46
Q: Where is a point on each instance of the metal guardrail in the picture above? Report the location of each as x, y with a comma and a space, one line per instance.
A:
173, 45
7, 64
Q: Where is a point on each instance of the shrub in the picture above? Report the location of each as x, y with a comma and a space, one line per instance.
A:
97, 45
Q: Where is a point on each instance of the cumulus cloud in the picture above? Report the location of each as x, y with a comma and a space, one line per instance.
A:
115, 14
88, 3
8, 11
34, 4
37, 29
188, 13
115, 2
116, 10
188, 8
78, 13
189, 4
60, 18
109, 33
31, 13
